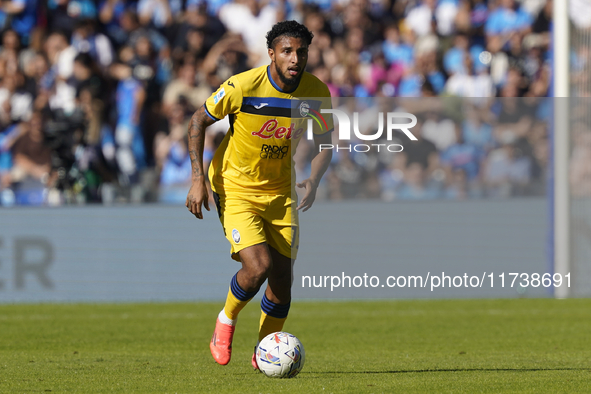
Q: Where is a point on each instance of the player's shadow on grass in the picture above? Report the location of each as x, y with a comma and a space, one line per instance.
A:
447, 370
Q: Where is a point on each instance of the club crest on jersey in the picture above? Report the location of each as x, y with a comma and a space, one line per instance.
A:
304, 109
236, 236
219, 96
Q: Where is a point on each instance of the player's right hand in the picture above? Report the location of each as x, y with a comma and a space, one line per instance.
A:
197, 195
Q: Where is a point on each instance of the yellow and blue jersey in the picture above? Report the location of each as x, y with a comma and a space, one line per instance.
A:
266, 123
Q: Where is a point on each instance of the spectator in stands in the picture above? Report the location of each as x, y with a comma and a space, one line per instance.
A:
185, 85
226, 58
392, 176
580, 168
396, 52
172, 156
16, 104
35, 69
505, 172
7, 139
457, 189
133, 31
155, 12
469, 81
61, 58
211, 6
515, 118
475, 130
112, 14
439, 130
130, 99
350, 176
10, 45
421, 19
252, 20
421, 151
453, 60
85, 39
197, 17
31, 156
465, 156
87, 76
191, 43
22, 15
540, 167
63, 15
507, 21
578, 12
415, 185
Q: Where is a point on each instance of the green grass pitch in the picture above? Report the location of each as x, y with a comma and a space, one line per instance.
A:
448, 346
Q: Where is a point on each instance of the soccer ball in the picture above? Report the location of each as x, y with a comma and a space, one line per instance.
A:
280, 355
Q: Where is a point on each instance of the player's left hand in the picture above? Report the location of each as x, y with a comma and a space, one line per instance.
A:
309, 196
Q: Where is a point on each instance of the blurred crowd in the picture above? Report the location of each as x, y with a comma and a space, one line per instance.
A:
95, 95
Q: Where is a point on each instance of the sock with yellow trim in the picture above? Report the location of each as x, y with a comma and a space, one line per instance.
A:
273, 317
236, 300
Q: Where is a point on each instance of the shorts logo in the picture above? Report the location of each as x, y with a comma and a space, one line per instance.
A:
219, 96
236, 236
274, 151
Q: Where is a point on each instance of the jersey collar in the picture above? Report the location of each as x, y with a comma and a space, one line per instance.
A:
277, 86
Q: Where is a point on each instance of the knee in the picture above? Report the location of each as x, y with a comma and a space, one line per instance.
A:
261, 269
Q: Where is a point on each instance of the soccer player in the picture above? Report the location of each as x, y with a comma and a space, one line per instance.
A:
251, 176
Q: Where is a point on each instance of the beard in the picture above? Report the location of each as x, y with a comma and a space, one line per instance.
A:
290, 81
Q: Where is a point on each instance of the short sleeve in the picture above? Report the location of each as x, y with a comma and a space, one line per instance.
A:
226, 100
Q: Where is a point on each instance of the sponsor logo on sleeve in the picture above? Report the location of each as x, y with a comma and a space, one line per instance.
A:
219, 96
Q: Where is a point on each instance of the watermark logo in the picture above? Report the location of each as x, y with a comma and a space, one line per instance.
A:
220, 95
395, 122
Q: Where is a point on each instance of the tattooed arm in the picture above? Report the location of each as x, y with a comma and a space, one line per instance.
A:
198, 193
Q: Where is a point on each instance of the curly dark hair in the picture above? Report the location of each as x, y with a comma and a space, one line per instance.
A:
289, 29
